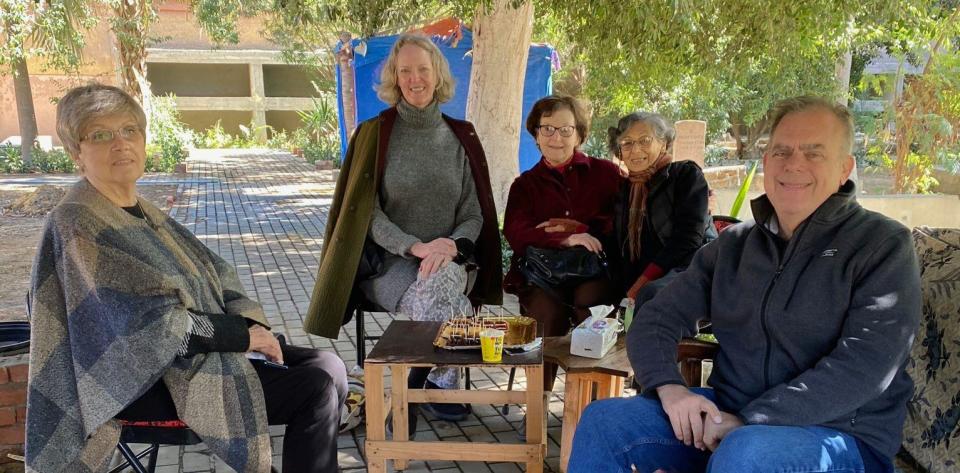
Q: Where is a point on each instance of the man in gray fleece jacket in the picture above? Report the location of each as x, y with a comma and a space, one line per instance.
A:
815, 306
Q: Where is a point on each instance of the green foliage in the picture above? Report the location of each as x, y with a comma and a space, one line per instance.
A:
10, 160
918, 129
722, 61
744, 189
168, 138
51, 30
214, 137
715, 155
320, 136
53, 161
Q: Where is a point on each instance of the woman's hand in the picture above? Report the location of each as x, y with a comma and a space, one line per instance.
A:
585, 240
558, 225
263, 341
685, 410
431, 264
443, 246
632, 292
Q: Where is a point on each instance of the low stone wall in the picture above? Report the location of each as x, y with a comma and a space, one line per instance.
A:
731, 177
949, 182
13, 406
913, 210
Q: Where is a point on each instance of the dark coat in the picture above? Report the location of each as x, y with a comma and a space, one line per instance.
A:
816, 333
677, 217
350, 214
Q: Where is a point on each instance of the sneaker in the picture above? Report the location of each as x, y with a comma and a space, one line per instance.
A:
447, 412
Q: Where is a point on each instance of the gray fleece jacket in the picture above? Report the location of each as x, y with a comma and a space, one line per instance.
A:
812, 331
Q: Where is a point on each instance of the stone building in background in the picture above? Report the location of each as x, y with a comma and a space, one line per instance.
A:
235, 84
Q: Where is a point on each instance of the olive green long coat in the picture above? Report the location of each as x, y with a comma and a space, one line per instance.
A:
351, 212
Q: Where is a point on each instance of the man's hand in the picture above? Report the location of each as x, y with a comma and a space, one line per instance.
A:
713, 433
560, 225
685, 409
431, 264
263, 341
585, 240
443, 246
632, 292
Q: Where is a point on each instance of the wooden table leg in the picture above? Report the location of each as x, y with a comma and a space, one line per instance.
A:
618, 386
586, 393
571, 415
376, 416
400, 412
536, 421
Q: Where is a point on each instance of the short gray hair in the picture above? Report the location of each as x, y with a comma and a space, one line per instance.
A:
808, 102
389, 92
662, 129
81, 105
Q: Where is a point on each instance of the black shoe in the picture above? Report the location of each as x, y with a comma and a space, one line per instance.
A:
447, 412
411, 422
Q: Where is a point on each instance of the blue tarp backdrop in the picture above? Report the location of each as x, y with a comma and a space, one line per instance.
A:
367, 72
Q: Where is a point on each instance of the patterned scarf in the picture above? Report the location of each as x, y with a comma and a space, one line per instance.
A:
638, 201
110, 297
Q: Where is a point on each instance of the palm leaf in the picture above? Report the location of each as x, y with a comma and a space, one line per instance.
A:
742, 194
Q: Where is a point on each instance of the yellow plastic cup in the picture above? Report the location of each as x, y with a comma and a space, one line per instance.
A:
491, 345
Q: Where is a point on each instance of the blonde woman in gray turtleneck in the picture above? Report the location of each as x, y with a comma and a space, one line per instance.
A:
427, 217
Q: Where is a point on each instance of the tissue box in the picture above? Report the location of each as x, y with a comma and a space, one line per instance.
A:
594, 337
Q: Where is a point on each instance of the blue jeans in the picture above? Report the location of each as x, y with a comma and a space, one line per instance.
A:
614, 434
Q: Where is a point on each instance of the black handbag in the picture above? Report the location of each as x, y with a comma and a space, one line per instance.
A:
553, 269
371, 261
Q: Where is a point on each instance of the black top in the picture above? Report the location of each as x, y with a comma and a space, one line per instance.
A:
677, 222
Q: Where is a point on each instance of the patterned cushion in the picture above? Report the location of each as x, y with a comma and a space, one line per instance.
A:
932, 431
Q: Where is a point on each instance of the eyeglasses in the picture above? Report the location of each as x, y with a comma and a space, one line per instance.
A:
129, 132
631, 145
565, 131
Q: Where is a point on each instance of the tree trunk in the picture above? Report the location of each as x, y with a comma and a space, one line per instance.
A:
130, 28
501, 41
25, 111
844, 64
347, 83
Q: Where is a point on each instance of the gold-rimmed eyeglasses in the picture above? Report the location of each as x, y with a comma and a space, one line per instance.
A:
631, 145
128, 132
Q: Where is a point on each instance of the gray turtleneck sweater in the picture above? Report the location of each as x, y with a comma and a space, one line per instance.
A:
427, 192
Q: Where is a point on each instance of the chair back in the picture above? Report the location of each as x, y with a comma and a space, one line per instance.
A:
932, 428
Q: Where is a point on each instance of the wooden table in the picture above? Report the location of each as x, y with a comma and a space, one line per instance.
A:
582, 376
408, 344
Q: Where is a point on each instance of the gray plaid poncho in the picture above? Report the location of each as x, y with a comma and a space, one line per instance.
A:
110, 295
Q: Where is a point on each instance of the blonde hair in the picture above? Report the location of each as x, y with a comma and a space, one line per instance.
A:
389, 91
86, 103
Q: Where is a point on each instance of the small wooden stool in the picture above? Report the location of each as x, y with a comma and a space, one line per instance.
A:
607, 375
582, 375
408, 344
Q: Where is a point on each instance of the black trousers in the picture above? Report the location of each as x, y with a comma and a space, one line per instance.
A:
555, 318
306, 398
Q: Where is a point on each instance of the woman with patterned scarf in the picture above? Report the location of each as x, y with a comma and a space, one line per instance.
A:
134, 319
662, 218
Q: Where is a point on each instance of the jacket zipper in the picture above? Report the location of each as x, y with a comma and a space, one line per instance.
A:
791, 249
763, 325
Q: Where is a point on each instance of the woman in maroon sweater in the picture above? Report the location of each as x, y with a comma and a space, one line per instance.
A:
567, 199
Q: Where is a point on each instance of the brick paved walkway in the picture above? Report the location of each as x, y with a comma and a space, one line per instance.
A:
265, 212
